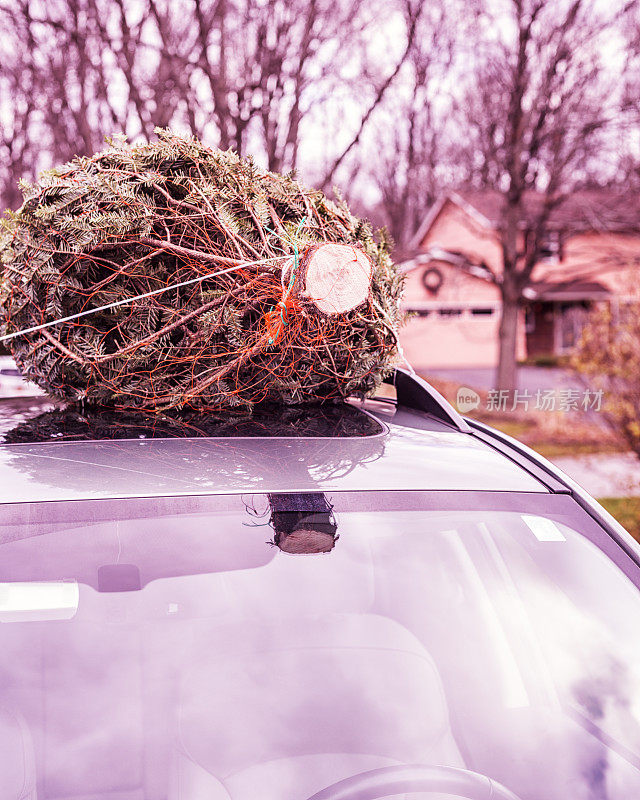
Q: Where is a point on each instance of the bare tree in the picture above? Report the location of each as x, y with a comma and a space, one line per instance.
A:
539, 108
241, 74
266, 64
411, 141
18, 100
629, 162
412, 10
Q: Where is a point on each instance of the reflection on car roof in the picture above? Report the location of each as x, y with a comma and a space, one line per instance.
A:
412, 442
28, 423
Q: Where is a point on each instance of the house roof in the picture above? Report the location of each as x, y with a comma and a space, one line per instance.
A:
568, 290
601, 209
455, 258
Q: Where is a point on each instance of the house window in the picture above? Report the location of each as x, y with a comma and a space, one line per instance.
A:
482, 312
529, 320
570, 321
550, 247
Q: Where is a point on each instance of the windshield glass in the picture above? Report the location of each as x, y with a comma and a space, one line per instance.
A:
265, 647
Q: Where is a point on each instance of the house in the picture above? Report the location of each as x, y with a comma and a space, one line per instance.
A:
591, 255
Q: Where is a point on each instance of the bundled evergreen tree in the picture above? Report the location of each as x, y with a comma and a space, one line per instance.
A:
168, 276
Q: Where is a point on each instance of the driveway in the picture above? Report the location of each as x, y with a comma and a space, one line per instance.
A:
604, 474
529, 378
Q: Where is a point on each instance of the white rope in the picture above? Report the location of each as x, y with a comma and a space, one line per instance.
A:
124, 302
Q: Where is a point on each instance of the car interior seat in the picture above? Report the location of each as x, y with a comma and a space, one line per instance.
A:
283, 710
17, 763
79, 731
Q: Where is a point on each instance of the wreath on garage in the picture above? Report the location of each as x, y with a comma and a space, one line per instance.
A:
432, 280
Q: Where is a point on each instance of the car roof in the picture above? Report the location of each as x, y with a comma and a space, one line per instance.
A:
417, 442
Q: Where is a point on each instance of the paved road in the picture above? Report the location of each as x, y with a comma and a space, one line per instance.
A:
604, 475
529, 378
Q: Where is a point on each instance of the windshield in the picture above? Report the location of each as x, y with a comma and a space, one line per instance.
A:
264, 647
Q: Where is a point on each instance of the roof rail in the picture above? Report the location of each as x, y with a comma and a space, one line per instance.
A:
413, 392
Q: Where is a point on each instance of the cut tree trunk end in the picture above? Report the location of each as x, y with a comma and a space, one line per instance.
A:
336, 277
305, 541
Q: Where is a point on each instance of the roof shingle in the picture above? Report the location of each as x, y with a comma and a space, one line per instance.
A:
601, 209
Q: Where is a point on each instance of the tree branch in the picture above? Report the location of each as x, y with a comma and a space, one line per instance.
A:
414, 16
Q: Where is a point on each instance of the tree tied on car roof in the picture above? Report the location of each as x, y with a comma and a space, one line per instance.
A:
167, 275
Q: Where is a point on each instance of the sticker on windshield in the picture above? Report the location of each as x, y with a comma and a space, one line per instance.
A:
38, 600
545, 530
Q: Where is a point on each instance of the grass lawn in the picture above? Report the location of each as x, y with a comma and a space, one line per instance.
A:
552, 439
626, 510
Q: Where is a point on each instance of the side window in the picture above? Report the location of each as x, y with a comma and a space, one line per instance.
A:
579, 608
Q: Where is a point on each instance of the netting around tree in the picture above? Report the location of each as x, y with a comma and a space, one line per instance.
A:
240, 330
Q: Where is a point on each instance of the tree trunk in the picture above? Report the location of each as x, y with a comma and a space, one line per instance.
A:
507, 374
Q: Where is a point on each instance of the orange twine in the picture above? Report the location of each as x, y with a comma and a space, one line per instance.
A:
276, 319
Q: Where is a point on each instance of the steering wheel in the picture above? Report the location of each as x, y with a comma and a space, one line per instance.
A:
389, 781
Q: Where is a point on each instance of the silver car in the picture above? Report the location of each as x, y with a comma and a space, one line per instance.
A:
346, 602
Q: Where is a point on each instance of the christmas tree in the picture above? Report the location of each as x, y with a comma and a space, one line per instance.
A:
167, 275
